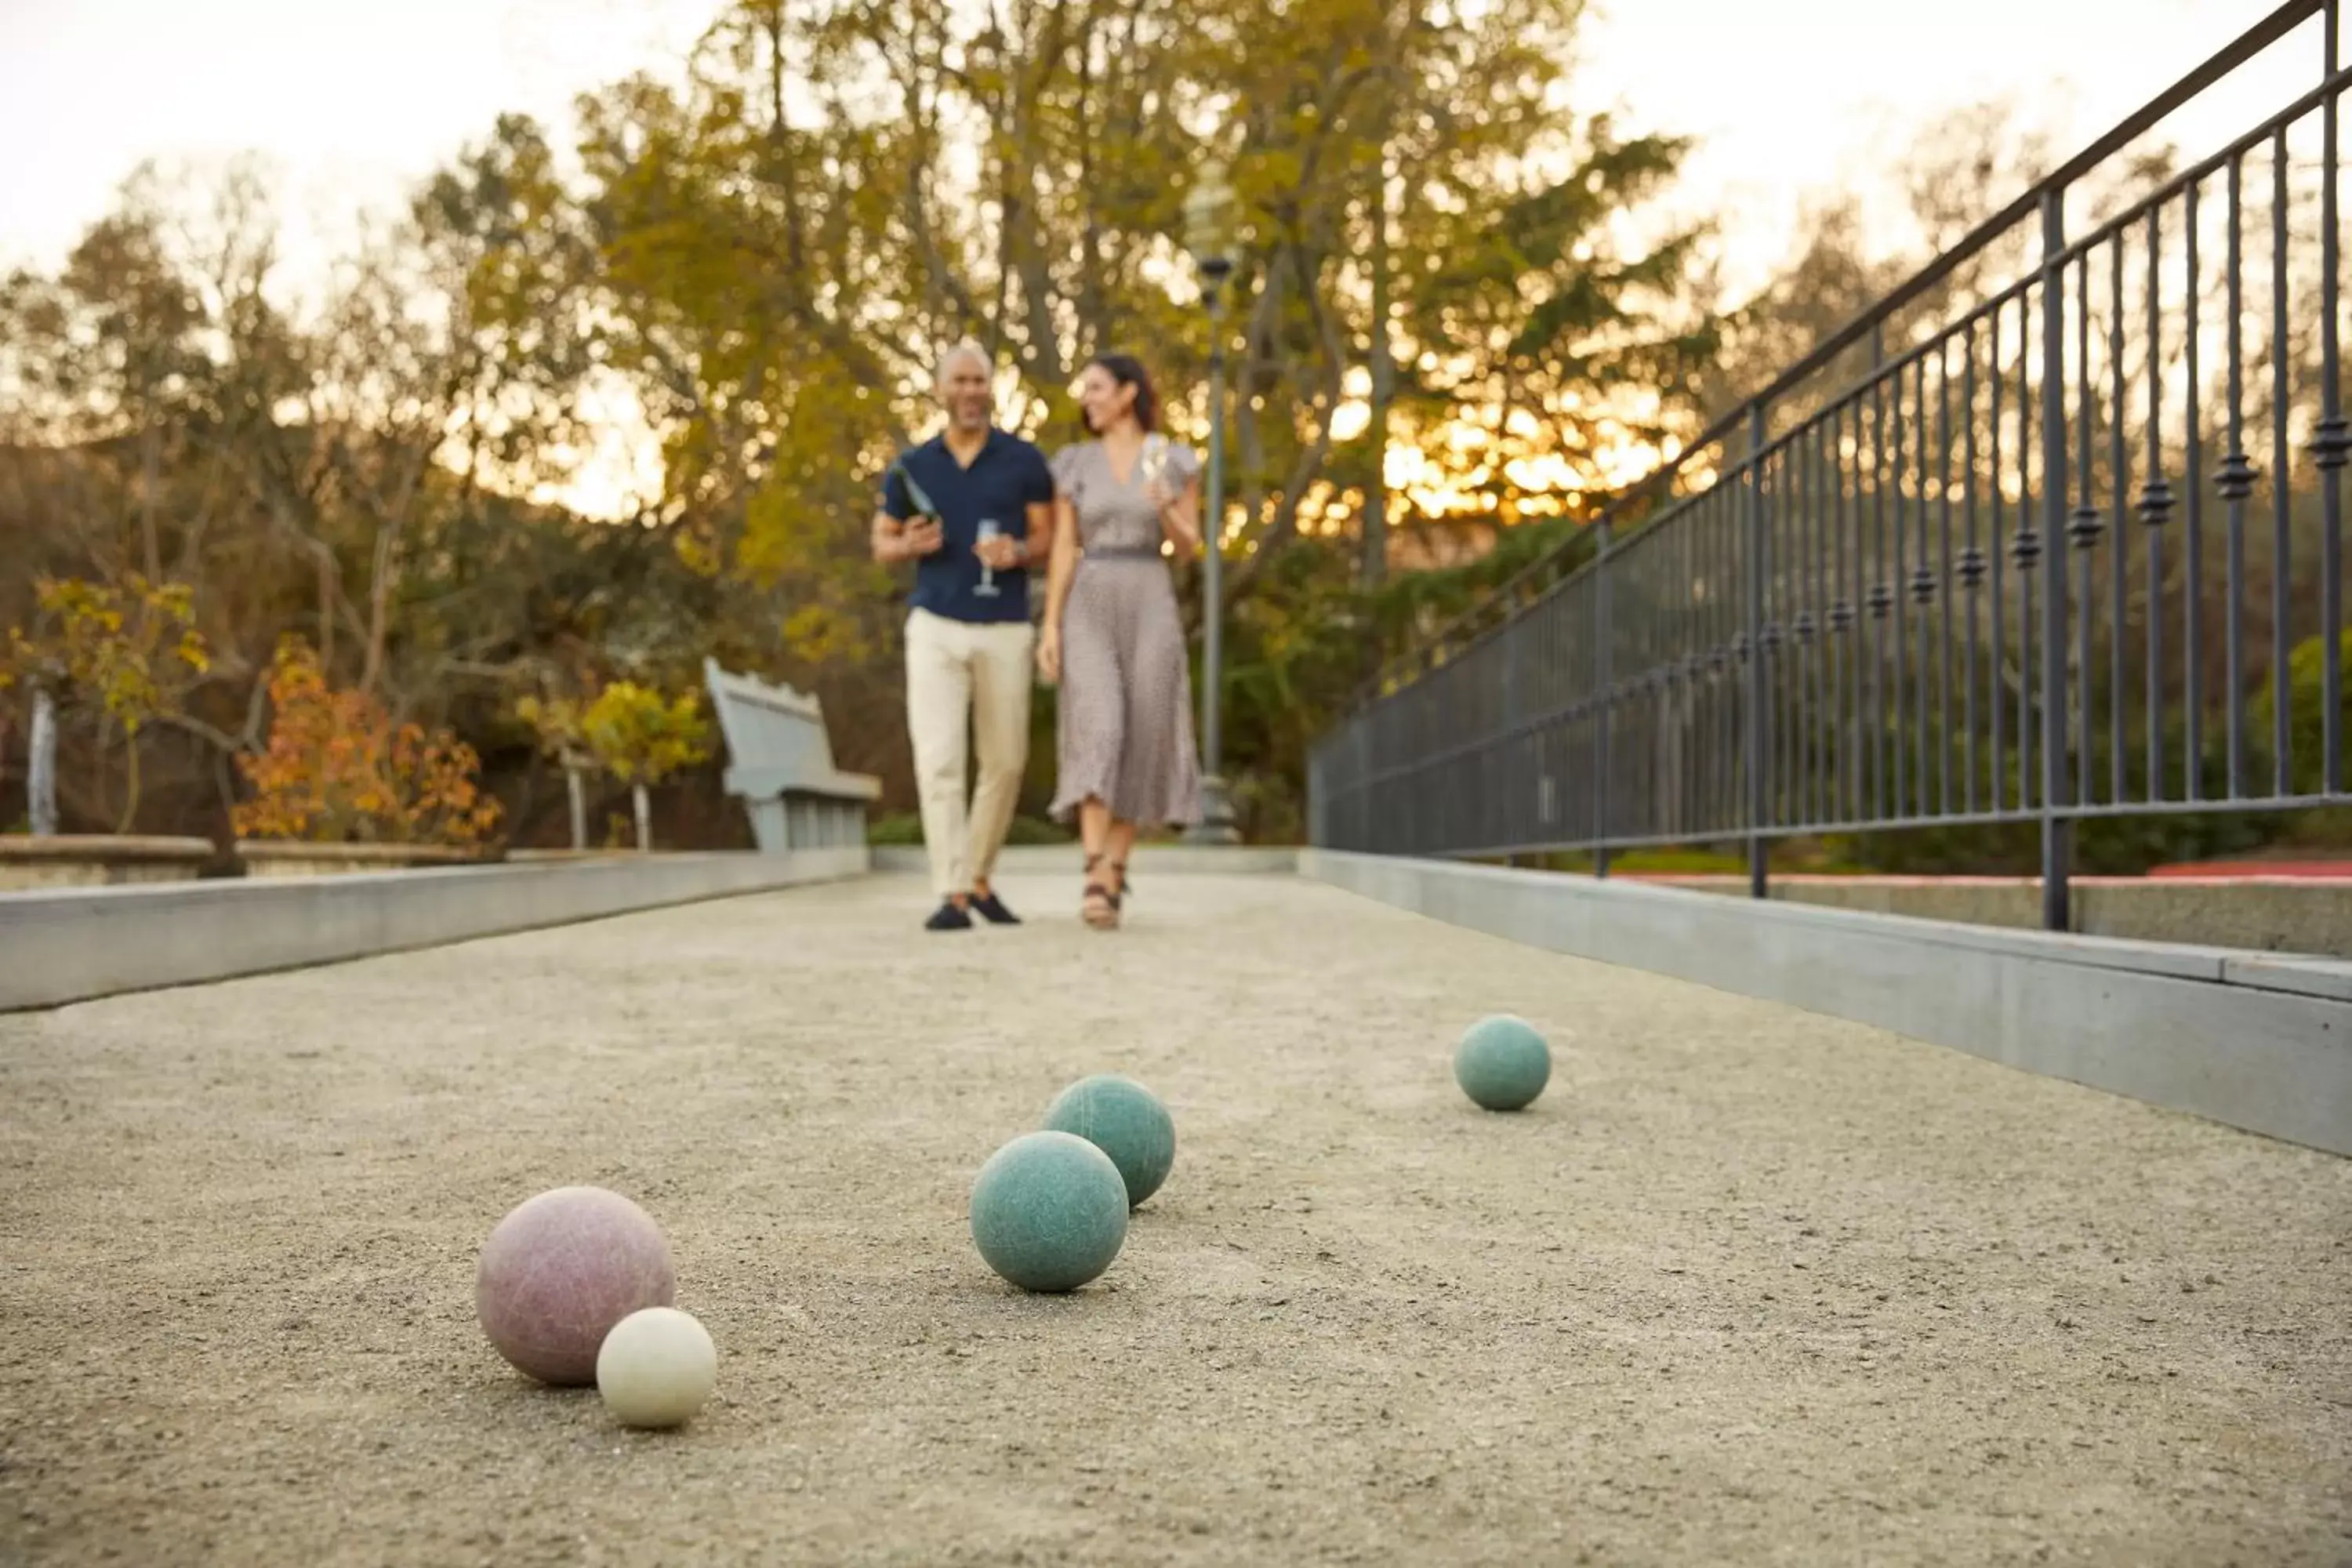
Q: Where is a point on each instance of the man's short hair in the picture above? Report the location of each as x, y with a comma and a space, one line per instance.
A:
960, 349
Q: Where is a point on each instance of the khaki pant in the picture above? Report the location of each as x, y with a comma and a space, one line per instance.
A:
960, 674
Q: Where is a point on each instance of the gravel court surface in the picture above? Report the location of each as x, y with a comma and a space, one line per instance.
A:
1745, 1285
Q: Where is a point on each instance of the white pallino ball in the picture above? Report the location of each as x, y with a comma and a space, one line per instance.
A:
655, 1368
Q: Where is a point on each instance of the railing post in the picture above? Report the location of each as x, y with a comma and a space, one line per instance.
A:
2331, 442
1604, 702
2057, 829
1759, 797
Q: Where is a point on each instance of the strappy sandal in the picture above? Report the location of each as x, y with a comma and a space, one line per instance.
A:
1099, 906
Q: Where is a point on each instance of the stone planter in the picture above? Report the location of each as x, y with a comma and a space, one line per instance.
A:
99, 859
293, 858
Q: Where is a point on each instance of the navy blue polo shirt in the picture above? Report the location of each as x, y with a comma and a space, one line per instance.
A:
1007, 476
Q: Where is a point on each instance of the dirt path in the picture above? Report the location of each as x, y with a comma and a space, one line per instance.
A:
1747, 1285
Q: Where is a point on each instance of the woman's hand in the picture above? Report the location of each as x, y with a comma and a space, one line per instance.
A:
1179, 519
1049, 654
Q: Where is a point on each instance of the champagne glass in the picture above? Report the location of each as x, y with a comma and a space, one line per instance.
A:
1153, 459
988, 528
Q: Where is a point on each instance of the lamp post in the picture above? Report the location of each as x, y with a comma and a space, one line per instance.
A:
1208, 235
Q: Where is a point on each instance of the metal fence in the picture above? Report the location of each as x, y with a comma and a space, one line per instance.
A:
2059, 551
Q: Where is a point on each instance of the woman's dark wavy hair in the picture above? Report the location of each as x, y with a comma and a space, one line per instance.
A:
1128, 371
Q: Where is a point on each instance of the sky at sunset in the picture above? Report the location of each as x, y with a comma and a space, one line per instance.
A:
350, 103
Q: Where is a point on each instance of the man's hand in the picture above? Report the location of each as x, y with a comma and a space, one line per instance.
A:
1001, 553
921, 538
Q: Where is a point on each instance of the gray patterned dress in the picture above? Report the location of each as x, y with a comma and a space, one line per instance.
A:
1126, 698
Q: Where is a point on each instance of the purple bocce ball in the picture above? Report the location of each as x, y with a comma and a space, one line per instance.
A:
560, 1270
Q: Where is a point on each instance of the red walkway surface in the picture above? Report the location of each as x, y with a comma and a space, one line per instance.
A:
2257, 870
2217, 872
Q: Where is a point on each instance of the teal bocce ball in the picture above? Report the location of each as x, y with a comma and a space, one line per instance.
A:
1126, 1122
1501, 1063
1049, 1211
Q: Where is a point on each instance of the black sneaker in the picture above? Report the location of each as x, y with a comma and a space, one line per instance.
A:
993, 909
948, 916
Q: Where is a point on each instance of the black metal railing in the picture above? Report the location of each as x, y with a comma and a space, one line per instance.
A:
2058, 554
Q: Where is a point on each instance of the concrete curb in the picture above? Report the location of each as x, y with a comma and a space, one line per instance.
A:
2255, 1042
1150, 860
79, 944
2303, 915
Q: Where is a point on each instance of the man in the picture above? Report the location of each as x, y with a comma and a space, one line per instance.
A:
970, 640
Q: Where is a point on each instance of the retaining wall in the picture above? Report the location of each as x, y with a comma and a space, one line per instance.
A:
2255, 1040
70, 946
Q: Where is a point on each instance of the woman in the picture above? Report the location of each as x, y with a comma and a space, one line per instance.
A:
1111, 635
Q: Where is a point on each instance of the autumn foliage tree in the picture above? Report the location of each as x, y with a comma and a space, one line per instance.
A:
642, 738
129, 651
337, 768
559, 724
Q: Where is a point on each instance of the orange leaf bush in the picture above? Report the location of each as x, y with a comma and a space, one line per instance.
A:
338, 770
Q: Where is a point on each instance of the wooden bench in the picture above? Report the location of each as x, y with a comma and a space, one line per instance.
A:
782, 766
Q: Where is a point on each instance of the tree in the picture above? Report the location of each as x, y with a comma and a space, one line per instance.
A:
785, 238
561, 725
643, 738
830, 196
127, 651
338, 768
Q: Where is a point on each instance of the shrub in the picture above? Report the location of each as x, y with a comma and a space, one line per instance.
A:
337, 769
